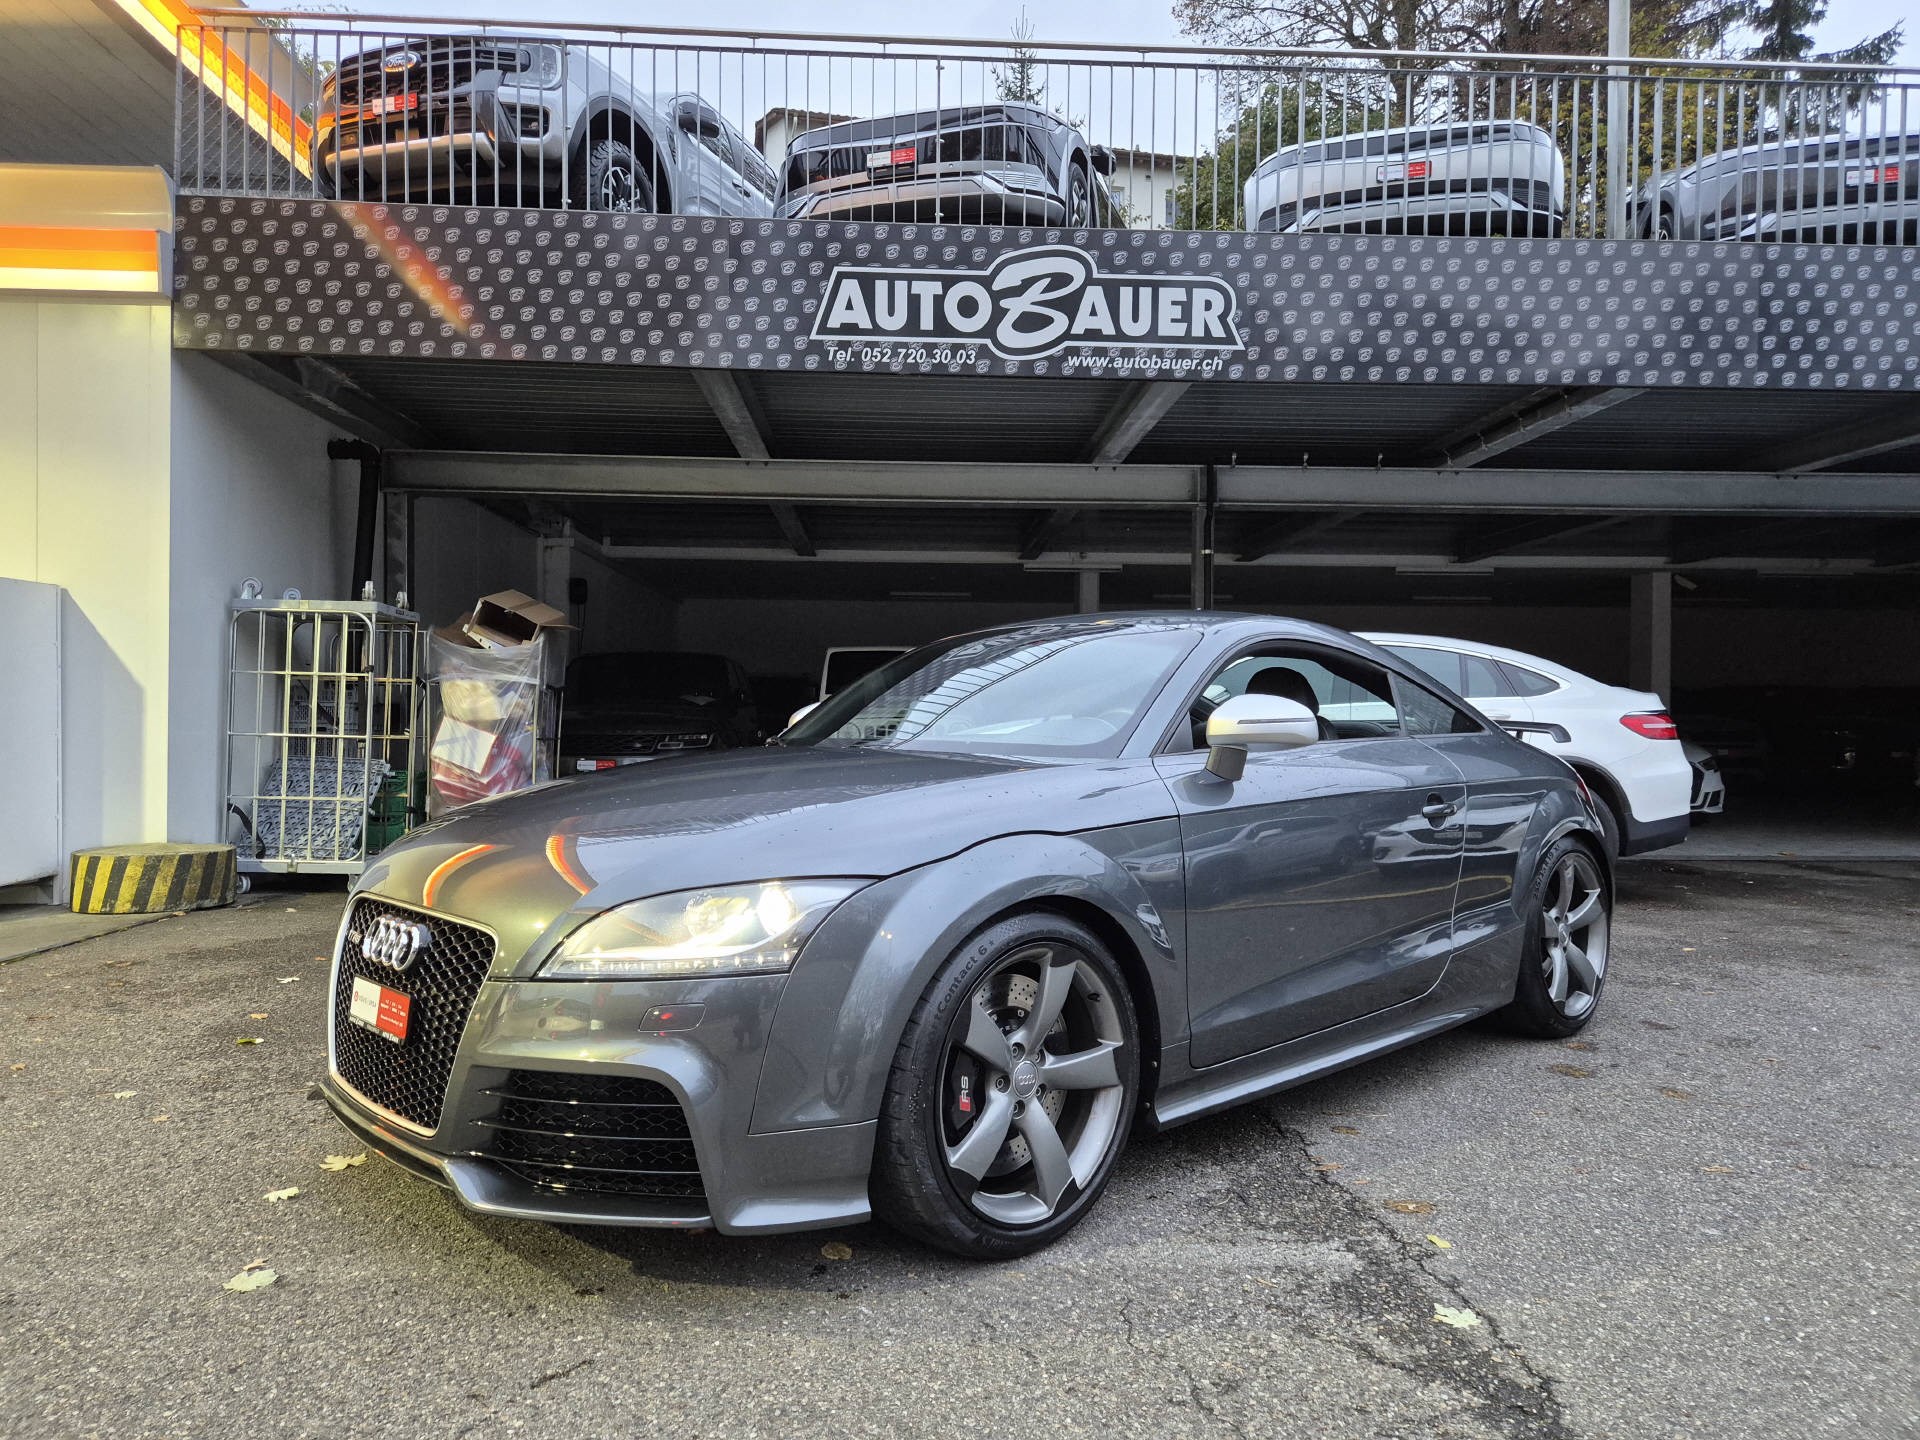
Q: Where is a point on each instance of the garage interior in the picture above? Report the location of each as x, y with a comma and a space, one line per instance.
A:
1750, 555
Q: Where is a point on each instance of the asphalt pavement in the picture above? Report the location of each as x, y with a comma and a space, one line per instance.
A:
1699, 1219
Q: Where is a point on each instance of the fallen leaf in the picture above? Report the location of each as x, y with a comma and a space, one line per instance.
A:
1573, 1071
274, 1197
1360, 1182
1345, 1130
837, 1250
258, 1015
253, 1264
1718, 1169
1329, 1165
1459, 1319
1411, 1207
1438, 1243
1580, 1045
249, 1040
161, 1119
125, 1094
1672, 1094
16, 1068
288, 979
341, 1162
251, 1280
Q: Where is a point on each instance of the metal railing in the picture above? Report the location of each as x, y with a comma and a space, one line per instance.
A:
1094, 136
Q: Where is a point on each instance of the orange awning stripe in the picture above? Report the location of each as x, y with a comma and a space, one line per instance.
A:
51, 247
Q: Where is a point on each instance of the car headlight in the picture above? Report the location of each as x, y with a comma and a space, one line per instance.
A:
753, 929
539, 65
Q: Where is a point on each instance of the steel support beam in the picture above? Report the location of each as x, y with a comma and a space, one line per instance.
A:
316, 386
1532, 532
1507, 429
1200, 573
1242, 487
792, 528
1717, 541
1279, 534
1894, 428
1133, 418
737, 410
1043, 531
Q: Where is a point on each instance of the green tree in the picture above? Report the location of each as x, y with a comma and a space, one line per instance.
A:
1021, 79
1280, 110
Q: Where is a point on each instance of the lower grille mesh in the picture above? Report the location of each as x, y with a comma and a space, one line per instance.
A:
595, 1134
409, 1078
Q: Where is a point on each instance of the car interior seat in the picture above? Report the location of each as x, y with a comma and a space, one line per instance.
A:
1290, 684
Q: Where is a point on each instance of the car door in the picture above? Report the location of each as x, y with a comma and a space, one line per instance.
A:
1320, 885
750, 178
705, 164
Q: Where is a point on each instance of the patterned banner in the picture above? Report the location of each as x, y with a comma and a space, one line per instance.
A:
336, 278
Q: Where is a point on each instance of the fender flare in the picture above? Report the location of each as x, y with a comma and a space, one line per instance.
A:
847, 1003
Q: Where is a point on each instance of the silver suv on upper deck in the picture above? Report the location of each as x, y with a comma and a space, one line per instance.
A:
1484, 177
483, 120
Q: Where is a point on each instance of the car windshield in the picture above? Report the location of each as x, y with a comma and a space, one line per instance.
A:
646, 677
1071, 688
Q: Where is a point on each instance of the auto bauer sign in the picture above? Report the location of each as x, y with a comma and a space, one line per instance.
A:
1029, 304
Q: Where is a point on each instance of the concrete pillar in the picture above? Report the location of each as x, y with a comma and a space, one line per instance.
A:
1087, 591
1650, 644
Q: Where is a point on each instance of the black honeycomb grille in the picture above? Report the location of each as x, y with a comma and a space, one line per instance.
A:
597, 1134
409, 1078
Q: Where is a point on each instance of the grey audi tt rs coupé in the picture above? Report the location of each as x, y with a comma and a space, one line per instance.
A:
936, 951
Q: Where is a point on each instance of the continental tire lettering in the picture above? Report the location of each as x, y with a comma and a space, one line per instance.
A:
1030, 304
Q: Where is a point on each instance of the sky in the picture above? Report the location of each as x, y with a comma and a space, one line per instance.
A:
1147, 21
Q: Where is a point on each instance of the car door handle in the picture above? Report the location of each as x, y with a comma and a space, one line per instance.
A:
1438, 808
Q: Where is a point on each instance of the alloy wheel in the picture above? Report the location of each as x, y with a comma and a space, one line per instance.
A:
1573, 934
1031, 1097
616, 190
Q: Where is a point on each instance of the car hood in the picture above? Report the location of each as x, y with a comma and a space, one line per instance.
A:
529, 866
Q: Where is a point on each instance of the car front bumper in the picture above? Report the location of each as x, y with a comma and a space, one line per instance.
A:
747, 1182
959, 199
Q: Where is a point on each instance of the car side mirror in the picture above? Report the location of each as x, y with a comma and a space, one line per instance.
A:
1248, 720
805, 710
1104, 160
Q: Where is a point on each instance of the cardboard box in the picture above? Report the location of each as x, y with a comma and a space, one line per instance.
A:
508, 618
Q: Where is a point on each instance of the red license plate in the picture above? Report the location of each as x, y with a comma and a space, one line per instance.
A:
376, 1008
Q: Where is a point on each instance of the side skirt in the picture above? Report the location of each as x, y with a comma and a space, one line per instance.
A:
1479, 980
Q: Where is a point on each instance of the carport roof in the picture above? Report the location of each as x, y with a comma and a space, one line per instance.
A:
548, 408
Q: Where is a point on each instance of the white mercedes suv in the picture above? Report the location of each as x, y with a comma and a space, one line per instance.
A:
1623, 743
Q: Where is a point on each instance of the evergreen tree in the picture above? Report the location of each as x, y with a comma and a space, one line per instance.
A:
1022, 79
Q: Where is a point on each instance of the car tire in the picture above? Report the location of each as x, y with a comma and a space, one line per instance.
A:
613, 179
1563, 968
956, 1102
1079, 197
1611, 829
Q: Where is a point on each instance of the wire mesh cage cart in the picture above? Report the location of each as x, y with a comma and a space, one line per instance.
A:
323, 714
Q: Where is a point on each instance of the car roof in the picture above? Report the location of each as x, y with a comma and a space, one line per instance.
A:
1551, 669
1440, 130
911, 122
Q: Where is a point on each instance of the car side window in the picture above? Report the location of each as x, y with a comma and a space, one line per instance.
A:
1525, 681
1442, 665
1483, 680
1352, 697
1424, 713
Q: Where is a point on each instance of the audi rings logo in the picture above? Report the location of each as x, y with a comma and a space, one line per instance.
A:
1029, 304
394, 942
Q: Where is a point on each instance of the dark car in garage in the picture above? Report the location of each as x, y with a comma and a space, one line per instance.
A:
1831, 189
1006, 163
638, 705
934, 954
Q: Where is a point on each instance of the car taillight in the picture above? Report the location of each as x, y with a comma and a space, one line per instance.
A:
1654, 724
1419, 169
